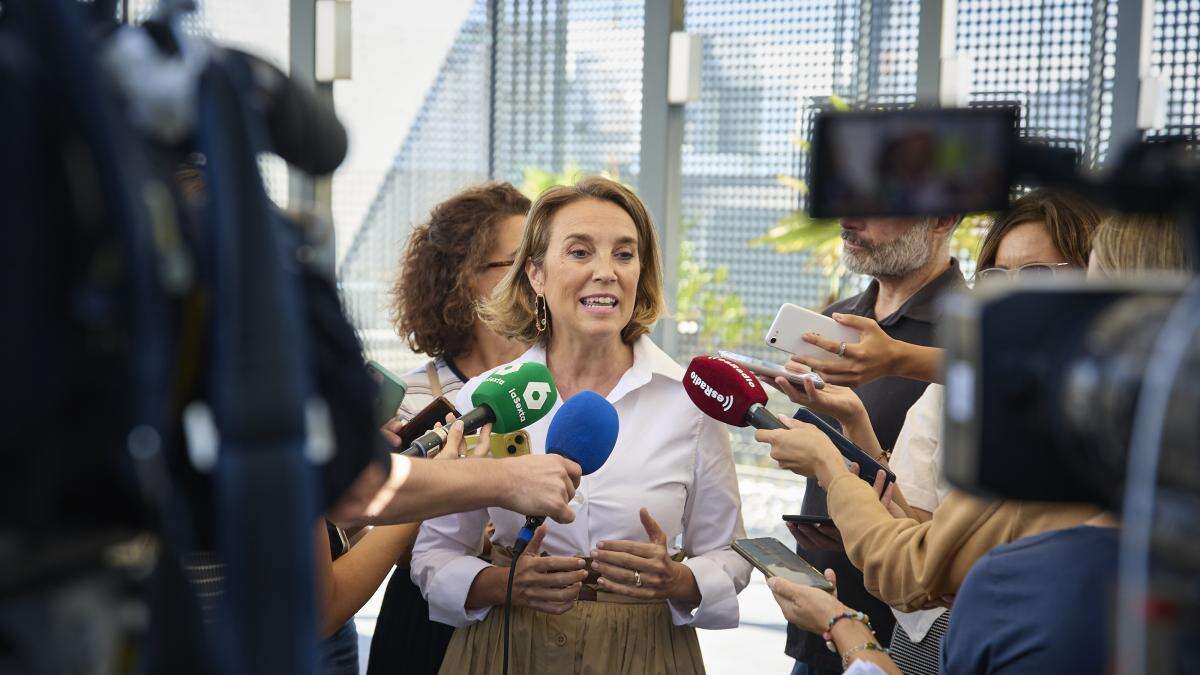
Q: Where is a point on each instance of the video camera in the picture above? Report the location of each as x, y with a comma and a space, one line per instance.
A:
179, 368
1045, 375
1056, 389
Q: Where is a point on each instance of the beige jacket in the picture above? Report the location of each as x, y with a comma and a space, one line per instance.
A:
911, 565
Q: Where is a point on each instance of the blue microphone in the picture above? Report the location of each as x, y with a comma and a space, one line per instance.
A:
584, 430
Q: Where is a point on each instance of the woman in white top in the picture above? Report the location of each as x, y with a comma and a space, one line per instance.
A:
648, 556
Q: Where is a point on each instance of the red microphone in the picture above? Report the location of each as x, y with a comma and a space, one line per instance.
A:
728, 393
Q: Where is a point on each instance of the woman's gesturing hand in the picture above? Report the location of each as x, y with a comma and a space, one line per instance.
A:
644, 569
547, 583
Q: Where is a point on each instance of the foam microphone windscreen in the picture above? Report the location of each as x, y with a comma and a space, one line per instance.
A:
722, 389
584, 430
518, 394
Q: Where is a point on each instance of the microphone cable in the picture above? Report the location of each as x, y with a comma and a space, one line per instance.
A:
512, 572
518, 550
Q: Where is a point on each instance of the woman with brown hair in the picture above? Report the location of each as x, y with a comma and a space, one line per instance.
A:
452, 263
610, 592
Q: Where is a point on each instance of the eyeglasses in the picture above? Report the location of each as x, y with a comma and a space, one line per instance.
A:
497, 264
1032, 270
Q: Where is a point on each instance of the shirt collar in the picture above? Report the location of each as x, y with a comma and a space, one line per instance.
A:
922, 306
648, 360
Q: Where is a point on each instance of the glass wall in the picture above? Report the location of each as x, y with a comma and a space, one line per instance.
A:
443, 149
443, 97
1175, 53
1053, 58
568, 87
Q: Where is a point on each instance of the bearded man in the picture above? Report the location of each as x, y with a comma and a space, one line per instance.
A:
910, 266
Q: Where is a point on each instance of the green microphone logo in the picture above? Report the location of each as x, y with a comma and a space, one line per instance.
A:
536, 394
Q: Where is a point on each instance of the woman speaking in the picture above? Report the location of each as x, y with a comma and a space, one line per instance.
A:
611, 592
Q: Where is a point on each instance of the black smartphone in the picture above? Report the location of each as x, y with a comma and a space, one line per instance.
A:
867, 466
424, 420
391, 392
773, 559
807, 520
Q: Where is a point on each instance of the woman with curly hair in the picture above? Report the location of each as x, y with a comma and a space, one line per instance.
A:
450, 266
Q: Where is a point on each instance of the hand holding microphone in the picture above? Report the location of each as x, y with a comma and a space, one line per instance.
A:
583, 431
512, 397
729, 393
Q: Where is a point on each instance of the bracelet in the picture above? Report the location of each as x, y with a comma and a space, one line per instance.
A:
864, 647
857, 616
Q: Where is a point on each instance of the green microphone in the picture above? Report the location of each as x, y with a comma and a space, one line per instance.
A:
512, 397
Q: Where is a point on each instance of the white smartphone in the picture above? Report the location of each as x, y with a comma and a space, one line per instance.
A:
769, 371
792, 322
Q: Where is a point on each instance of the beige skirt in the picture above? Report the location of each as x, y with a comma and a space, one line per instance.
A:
595, 637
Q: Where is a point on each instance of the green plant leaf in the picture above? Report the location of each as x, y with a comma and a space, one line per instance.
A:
793, 182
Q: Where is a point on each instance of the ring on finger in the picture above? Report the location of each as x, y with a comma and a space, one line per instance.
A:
637, 578
841, 349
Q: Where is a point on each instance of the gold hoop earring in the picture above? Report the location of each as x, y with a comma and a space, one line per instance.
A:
541, 314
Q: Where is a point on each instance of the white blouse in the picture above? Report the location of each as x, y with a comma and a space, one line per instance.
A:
917, 460
669, 458
918, 456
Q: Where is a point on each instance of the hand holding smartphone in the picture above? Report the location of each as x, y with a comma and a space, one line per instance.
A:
792, 322
814, 533
773, 559
769, 371
425, 420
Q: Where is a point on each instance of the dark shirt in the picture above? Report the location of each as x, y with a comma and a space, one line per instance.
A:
1042, 604
887, 401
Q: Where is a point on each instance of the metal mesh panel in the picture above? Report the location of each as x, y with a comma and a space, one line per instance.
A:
1175, 51
765, 66
893, 46
1048, 57
445, 150
568, 86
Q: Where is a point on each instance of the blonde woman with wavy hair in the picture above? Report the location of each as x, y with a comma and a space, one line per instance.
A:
1137, 244
647, 559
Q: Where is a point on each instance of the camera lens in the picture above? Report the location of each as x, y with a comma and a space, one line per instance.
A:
519, 440
772, 340
512, 449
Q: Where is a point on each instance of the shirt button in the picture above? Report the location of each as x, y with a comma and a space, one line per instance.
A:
560, 640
